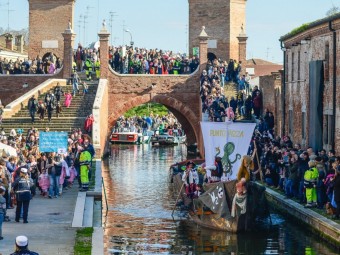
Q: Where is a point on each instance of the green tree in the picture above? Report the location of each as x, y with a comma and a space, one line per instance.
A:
333, 10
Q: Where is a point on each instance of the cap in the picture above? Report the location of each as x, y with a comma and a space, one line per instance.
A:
21, 241
2, 188
24, 170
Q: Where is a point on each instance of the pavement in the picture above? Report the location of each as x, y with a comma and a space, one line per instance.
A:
49, 228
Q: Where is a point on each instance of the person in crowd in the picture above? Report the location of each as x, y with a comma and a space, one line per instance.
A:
84, 162
58, 92
190, 178
32, 107
22, 187
85, 88
44, 182
41, 110
2, 209
336, 187
21, 246
310, 181
75, 83
58, 108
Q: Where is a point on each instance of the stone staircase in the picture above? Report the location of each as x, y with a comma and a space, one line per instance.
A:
70, 118
230, 89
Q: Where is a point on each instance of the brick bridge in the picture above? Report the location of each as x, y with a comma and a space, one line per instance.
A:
179, 93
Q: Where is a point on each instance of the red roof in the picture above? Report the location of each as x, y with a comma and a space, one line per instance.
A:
262, 67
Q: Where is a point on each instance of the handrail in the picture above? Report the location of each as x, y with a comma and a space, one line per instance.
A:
107, 207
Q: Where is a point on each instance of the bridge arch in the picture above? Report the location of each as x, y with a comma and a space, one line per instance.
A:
182, 112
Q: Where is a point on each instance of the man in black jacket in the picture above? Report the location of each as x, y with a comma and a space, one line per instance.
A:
22, 187
32, 107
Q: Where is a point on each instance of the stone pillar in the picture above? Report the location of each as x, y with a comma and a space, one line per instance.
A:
242, 48
19, 39
104, 51
9, 41
68, 52
203, 38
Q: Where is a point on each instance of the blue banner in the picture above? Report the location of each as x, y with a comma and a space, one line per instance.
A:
53, 142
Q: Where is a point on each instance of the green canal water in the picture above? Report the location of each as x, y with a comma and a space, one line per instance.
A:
141, 201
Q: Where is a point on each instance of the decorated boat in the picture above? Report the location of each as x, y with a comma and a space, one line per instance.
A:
130, 138
166, 139
217, 194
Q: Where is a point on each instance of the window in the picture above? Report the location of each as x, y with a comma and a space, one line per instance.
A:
328, 130
326, 63
293, 66
303, 125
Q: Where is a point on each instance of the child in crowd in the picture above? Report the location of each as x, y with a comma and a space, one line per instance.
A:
2, 208
44, 182
73, 175
85, 88
58, 109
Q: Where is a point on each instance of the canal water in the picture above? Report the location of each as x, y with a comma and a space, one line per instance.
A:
140, 203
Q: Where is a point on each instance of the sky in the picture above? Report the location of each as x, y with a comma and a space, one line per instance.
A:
163, 24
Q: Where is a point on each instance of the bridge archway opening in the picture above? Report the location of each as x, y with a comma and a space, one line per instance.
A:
184, 117
211, 56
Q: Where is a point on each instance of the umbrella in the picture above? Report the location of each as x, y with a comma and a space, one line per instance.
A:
8, 149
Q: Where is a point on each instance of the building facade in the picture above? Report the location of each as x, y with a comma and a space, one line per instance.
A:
224, 21
310, 84
47, 21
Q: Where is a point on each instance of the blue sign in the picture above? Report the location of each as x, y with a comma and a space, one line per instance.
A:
53, 142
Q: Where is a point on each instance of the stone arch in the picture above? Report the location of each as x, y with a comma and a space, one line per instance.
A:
184, 114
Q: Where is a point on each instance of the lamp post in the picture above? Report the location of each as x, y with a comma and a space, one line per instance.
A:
128, 31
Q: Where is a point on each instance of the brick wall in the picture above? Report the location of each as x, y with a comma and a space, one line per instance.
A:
222, 19
270, 85
47, 21
178, 93
297, 81
11, 85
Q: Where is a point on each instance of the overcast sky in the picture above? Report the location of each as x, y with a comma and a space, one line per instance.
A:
163, 24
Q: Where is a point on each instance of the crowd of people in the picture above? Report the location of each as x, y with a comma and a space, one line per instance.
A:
215, 105
49, 173
136, 60
52, 101
155, 123
47, 65
311, 177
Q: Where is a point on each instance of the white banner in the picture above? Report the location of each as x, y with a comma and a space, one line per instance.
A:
228, 140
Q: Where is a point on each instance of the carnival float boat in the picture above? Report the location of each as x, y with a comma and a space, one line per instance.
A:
217, 191
221, 208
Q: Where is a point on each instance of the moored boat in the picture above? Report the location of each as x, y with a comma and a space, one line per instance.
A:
166, 139
129, 137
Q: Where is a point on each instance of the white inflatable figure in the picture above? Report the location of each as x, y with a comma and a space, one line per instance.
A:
208, 175
224, 177
194, 177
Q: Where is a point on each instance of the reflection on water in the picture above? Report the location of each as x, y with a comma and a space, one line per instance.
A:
139, 217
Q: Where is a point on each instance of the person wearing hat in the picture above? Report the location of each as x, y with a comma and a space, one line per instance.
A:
190, 178
310, 179
21, 246
2, 208
22, 187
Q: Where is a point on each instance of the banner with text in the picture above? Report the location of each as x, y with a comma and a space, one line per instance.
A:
228, 140
53, 142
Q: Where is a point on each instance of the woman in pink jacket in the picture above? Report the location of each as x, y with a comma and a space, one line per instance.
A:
68, 99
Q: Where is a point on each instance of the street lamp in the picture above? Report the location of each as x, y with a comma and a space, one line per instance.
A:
128, 31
